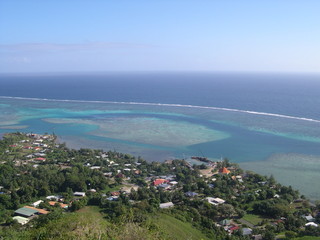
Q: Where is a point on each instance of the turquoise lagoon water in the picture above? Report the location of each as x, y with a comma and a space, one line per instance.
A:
269, 144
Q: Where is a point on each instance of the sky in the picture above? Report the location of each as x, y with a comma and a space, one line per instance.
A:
159, 35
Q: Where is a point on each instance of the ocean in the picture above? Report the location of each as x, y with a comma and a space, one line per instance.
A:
269, 123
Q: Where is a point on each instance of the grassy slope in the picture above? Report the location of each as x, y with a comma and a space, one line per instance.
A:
80, 225
177, 229
89, 223
252, 218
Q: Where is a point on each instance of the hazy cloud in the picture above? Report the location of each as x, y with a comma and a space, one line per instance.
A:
43, 47
16, 60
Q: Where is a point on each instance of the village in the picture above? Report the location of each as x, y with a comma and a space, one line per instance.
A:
236, 201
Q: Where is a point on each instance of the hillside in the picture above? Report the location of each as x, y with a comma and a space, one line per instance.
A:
51, 192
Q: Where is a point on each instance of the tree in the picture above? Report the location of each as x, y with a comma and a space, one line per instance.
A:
269, 235
290, 234
118, 180
226, 210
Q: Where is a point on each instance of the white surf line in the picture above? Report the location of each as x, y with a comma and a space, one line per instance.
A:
170, 105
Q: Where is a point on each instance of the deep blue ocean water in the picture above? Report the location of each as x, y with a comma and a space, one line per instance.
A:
288, 94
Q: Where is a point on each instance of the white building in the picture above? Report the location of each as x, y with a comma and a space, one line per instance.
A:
21, 220
311, 224
79, 194
215, 201
166, 205
36, 204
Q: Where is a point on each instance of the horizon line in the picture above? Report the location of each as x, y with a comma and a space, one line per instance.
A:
158, 71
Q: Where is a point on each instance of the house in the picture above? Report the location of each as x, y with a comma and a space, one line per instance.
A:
164, 186
262, 183
191, 194
113, 198
62, 205
79, 194
215, 201
257, 237
246, 231
108, 174
40, 154
224, 170
311, 224
95, 167
39, 211
37, 203
21, 220
309, 218
225, 222
120, 175
233, 228
56, 198
103, 155
26, 212
159, 181
173, 183
239, 178
166, 205
117, 193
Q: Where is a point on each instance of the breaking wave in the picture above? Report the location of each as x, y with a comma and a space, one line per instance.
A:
170, 105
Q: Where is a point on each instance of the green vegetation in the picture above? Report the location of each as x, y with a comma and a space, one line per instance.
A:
176, 229
253, 219
110, 195
307, 238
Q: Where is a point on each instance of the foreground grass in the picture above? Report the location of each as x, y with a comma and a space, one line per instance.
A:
90, 223
176, 229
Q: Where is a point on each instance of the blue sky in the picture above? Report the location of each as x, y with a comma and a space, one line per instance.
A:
156, 35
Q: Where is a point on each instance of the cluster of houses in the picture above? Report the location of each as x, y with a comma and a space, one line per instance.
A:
311, 220
121, 170
164, 182
24, 214
38, 144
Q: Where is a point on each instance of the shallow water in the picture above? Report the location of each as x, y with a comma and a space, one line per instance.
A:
267, 143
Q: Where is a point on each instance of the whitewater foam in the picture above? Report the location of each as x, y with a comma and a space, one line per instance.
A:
169, 105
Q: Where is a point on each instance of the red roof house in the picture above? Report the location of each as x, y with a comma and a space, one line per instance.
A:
224, 170
159, 181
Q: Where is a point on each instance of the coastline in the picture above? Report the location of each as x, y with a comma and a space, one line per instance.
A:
250, 147
289, 170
